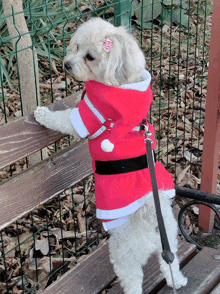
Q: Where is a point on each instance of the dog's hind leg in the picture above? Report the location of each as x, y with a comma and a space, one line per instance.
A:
126, 265
172, 231
127, 246
179, 279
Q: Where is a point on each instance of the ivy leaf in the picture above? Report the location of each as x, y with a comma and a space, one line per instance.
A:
151, 10
175, 16
170, 2
179, 16
146, 25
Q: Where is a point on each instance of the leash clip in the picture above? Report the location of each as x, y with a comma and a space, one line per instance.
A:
147, 133
167, 255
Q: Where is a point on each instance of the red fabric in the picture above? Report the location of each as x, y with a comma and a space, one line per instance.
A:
116, 191
92, 122
126, 108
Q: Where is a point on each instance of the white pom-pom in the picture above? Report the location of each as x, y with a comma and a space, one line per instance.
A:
107, 146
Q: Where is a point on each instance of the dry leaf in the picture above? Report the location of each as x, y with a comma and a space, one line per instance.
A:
59, 234
77, 198
195, 210
54, 68
189, 156
81, 223
187, 222
8, 250
181, 175
43, 246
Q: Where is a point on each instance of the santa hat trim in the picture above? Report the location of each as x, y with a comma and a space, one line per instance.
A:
140, 86
132, 207
78, 123
80, 127
115, 223
98, 133
93, 109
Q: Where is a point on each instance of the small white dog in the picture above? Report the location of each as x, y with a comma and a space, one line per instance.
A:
116, 98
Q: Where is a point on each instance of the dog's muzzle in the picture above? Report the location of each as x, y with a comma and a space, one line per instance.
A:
68, 65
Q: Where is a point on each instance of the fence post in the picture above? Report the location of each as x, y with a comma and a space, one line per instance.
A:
211, 144
122, 13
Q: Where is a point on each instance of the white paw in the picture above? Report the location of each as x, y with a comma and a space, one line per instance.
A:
41, 114
179, 281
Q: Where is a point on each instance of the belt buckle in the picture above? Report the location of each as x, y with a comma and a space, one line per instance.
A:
108, 124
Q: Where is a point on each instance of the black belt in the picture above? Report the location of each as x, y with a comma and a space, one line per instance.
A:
121, 166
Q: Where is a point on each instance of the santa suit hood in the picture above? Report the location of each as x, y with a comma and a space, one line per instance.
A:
113, 113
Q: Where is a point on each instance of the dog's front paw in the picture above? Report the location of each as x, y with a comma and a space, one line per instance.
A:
41, 114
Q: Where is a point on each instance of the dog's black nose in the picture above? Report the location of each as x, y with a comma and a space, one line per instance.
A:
68, 65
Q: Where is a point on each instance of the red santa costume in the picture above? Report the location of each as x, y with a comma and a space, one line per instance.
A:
122, 178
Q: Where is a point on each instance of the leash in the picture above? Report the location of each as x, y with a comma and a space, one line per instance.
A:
167, 255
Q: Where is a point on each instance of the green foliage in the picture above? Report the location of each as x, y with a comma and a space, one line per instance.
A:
151, 10
171, 2
48, 22
171, 11
51, 21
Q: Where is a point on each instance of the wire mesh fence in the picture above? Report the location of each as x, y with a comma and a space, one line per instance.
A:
40, 247
175, 38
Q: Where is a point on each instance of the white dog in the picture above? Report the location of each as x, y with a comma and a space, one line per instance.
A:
117, 98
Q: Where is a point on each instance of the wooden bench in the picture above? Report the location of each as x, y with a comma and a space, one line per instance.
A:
22, 193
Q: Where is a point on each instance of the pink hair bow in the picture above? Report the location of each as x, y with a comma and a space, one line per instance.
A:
108, 45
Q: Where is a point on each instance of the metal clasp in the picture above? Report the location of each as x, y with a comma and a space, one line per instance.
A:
147, 133
108, 124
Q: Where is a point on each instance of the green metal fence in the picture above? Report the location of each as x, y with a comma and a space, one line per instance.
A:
175, 37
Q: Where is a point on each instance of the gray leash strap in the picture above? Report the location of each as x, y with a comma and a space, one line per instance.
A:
167, 255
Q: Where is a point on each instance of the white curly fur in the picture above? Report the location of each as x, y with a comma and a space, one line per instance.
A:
131, 244
122, 65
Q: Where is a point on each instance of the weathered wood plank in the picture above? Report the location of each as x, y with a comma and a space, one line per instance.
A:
25, 136
203, 273
152, 275
216, 290
22, 193
90, 276
96, 272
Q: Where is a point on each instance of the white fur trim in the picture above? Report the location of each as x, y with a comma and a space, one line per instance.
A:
103, 128
141, 86
97, 133
93, 109
78, 124
107, 146
131, 208
115, 223
169, 193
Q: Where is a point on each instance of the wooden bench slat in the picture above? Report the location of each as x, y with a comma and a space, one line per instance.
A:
152, 275
185, 253
216, 290
96, 272
90, 276
25, 136
203, 273
24, 192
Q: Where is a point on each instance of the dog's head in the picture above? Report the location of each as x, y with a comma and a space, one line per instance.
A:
102, 52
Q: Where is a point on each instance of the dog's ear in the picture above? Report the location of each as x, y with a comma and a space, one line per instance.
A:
115, 66
124, 60
71, 45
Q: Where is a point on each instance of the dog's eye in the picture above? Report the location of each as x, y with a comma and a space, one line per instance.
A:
77, 48
89, 57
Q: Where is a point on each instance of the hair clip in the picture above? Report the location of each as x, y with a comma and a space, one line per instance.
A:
108, 45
